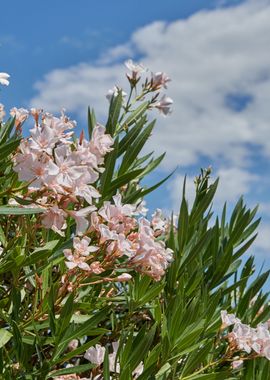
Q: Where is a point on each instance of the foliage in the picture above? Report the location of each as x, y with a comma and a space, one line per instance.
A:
57, 322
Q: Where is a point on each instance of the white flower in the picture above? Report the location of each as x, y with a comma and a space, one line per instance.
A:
236, 364
164, 105
124, 277
159, 80
95, 354
228, 319
2, 112
113, 92
135, 68
4, 79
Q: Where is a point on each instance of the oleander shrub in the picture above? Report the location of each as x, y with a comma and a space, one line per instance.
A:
92, 287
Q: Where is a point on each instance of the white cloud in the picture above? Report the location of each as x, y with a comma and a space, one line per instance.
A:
209, 56
262, 243
233, 182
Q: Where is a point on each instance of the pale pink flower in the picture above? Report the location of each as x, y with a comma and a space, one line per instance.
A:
2, 112
85, 156
106, 234
82, 250
42, 139
75, 260
152, 257
158, 221
59, 126
85, 191
95, 354
266, 351
236, 364
164, 105
118, 215
95, 267
135, 68
101, 143
66, 122
113, 363
80, 217
228, 319
159, 80
54, 218
138, 370
69, 172
82, 247
113, 92
124, 277
140, 208
21, 114
73, 344
242, 334
4, 79
72, 376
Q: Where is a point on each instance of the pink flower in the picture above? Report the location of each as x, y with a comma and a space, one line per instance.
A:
85, 191
69, 172
159, 80
164, 105
236, 364
151, 257
81, 220
21, 114
124, 277
113, 92
95, 267
54, 218
228, 319
73, 344
95, 354
101, 143
135, 68
42, 139
2, 112
158, 221
82, 250
4, 79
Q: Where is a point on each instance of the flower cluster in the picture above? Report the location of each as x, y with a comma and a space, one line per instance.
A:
152, 84
121, 241
61, 172
62, 175
246, 338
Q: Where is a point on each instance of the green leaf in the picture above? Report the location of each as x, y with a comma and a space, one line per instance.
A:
141, 347
6, 129
66, 371
5, 336
107, 175
122, 180
136, 114
133, 151
91, 122
131, 135
8, 148
8, 210
114, 112
89, 327
106, 366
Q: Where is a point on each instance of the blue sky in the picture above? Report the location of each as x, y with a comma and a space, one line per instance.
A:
67, 53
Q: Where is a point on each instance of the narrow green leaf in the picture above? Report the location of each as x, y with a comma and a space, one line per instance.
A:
5, 336
8, 210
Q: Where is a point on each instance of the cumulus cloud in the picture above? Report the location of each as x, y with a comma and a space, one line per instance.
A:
233, 183
216, 58
219, 63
